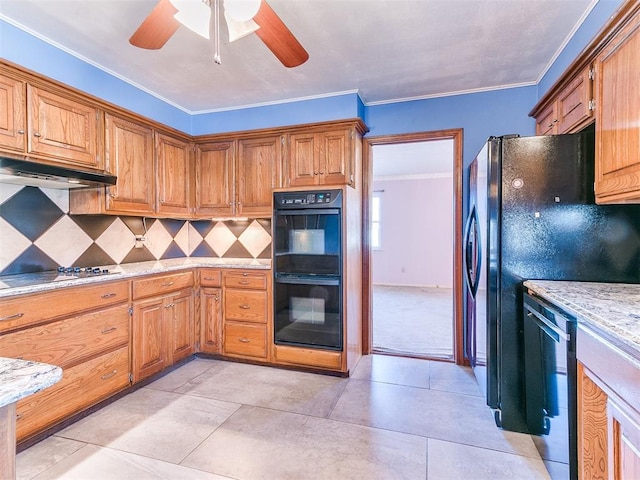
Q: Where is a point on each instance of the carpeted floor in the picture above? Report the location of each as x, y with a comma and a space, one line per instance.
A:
413, 320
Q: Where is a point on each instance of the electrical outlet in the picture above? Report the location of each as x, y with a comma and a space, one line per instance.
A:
139, 241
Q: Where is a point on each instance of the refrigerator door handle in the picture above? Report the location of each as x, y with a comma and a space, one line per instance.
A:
473, 252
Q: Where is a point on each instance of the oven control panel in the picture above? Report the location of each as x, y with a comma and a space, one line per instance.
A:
307, 199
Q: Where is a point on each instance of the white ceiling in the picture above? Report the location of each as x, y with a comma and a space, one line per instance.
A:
387, 50
418, 159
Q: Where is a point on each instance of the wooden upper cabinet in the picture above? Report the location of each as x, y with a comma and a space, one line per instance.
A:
571, 109
129, 155
214, 178
63, 129
258, 166
321, 158
172, 156
618, 117
12, 114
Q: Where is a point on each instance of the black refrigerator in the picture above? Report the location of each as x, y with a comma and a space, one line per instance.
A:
532, 216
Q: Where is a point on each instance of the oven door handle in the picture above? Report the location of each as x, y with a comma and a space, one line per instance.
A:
308, 280
549, 328
310, 211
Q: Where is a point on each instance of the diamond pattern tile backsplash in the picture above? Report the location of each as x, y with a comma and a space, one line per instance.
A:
37, 233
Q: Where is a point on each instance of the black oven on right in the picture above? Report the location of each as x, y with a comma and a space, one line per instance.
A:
307, 267
551, 382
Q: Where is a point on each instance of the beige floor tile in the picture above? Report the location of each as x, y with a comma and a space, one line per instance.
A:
430, 413
450, 377
257, 443
44, 455
287, 390
97, 463
183, 374
389, 369
162, 425
453, 461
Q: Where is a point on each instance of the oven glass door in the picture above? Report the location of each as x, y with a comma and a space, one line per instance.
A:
307, 242
308, 312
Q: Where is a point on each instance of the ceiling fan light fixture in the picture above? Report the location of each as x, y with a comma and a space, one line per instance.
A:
241, 10
238, 30
193, 14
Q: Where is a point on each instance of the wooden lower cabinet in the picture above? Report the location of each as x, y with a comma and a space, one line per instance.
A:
592, 427
311, 357
608, 409
81, 386
210, 320
163, 332
245, 339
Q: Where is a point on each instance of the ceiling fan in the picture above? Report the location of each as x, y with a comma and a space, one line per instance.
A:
242, 17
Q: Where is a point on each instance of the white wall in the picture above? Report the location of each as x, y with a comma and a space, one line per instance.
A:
417, 233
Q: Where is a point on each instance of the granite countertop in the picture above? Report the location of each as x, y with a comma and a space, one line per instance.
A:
21, 378
612, 309
29, 282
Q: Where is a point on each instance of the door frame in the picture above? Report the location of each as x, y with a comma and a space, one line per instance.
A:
367, 193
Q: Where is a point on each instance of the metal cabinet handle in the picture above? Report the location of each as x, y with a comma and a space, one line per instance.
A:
210, 278
244, 340
243, 282
109, 329
170, 305
18, 416
245, 274
36, 134
167, 284
216, 298
245, 307
108, 295
21, 132
107, 376
11, 317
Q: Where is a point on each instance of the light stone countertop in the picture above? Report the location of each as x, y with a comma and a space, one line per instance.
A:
28, 283
21, 378
609, 308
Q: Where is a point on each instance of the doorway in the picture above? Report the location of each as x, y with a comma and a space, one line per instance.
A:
413, 307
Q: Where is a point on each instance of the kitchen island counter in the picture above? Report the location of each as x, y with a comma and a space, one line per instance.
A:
610, 309
29, 282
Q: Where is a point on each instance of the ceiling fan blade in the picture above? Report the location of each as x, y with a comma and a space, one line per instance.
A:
278, 38
157, 28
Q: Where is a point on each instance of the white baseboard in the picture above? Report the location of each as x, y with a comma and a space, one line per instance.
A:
410, 285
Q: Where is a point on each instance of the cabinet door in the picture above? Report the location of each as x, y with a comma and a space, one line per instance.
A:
573, 104
149, 338
592, 427
181, 322
618, 118
302, 161
129, 155
210, 319
12, 114
257, 174
63, 129
173, 175
546, 122
624, 448
214, 180
335, 158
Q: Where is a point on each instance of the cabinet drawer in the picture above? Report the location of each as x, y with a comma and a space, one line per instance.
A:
67, 341
81, 386
210, 277
245, 305
253, 280
36, 308
245, 339
308, 356
146, 287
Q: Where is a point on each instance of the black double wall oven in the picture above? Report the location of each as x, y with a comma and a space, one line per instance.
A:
307, 268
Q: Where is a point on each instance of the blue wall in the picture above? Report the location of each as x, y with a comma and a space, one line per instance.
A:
279, 115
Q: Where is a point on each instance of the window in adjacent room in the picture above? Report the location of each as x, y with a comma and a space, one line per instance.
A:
376, 217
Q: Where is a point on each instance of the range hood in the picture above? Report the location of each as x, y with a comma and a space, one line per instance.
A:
25, 172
